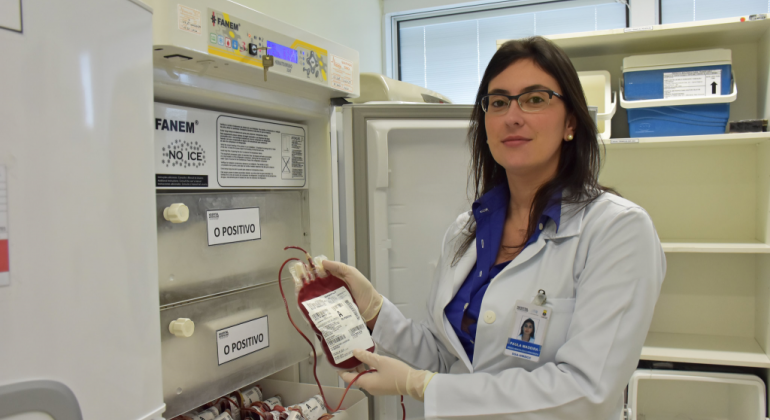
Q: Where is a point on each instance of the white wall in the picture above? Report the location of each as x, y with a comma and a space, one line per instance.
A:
354, 23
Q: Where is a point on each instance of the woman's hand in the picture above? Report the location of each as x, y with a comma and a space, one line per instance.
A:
393, 377
368, 300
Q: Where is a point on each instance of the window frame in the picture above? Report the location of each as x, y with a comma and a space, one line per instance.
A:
392, 21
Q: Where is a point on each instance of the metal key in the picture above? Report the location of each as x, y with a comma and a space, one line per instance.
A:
267, 62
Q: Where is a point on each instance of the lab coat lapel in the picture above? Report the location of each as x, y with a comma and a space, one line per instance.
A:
458, 275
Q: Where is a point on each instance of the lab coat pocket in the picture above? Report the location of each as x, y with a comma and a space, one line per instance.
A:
561, 317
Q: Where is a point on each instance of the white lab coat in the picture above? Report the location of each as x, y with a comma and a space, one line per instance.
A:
602, 273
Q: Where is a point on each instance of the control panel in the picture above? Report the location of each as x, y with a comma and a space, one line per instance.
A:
223, 39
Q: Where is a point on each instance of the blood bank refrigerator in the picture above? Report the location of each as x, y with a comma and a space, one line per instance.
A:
153, 165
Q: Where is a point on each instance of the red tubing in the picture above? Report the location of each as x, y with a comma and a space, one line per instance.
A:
315, 357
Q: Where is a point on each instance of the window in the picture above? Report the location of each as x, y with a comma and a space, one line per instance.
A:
449, 53
675, 11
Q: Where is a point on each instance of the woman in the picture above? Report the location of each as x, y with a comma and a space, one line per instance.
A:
540, 221
527, 333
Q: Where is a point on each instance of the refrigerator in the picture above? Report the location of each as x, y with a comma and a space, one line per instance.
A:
403, 179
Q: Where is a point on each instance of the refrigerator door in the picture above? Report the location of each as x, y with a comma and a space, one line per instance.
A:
403, 179
79, 294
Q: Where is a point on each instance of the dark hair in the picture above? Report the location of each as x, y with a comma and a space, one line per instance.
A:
579, 161
533, 328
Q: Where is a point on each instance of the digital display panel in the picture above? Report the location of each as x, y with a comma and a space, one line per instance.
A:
282, 52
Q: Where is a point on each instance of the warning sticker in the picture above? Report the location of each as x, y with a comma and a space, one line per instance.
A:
684, 84
189, 19
341, 73
5, 275
253, 152
337, 317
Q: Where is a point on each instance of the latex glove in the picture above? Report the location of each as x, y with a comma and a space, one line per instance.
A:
393, 377
368, 300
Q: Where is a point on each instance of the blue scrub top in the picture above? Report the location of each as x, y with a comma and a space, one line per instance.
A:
489, 212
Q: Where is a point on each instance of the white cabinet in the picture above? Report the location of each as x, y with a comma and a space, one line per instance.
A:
708, 196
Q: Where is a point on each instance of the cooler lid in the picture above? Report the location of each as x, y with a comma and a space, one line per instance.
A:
715, 57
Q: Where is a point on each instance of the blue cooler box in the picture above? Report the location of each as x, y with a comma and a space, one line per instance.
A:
678, 94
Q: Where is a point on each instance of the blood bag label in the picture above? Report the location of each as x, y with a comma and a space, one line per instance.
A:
312, 409
529, 328
202, 149
683, 84
273, 402
5, 274
229, 226
242, 339
337, 317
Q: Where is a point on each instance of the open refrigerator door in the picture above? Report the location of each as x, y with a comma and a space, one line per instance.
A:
396, 202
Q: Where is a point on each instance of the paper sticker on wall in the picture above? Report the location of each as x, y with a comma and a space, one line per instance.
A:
189, 19
10, 15
5, 275
341, 73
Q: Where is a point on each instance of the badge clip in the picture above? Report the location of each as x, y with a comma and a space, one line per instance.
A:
540, 299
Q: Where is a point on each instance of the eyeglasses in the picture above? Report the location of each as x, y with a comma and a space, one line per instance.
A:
532, 101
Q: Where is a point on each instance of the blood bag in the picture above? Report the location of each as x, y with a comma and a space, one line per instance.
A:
312, 409
328, 307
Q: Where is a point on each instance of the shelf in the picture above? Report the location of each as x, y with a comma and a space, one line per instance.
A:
706, 349
716, 247
729, 139
676, 36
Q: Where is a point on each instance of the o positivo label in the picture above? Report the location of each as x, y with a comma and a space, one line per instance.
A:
242, 339
236, 225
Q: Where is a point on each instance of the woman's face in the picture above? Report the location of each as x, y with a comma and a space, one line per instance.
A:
527, 328
527, 143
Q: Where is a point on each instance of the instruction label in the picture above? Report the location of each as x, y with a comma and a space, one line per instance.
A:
341, 73
684, 84
242, 339
257, 153
337, 317
5, 274
229, 226
189, 19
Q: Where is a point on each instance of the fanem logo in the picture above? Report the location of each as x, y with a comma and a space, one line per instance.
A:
214, 216
183, 154
179, 126
224, 334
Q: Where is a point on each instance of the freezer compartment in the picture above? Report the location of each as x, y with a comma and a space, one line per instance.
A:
670, 395
190, 268
199, 369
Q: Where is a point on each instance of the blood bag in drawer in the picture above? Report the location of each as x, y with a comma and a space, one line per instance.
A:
355, 406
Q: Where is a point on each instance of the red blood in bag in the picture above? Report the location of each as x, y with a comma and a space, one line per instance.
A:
319, 287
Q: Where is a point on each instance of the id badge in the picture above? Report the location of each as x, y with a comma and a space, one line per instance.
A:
529, 328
